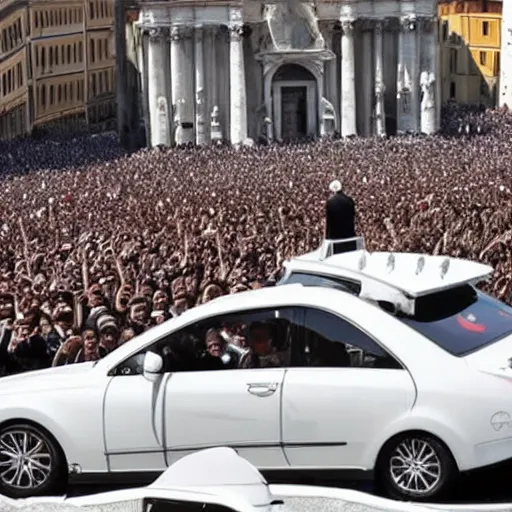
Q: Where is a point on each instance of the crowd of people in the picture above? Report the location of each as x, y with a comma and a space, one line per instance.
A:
98, 245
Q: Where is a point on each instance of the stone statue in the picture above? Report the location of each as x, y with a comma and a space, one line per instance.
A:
163, 123
215, 128
264, 125
427, 84
328, 117
293, 25
200, 106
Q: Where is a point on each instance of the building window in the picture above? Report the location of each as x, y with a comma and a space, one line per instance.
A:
483, 58
93, 53
20, 75
497, 67
453, 60
453, 91
52, 95
485, 28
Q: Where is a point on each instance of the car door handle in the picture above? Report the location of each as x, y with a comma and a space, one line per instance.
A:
262, 388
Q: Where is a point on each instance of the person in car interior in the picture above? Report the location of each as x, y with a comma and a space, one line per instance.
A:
264, 349
218, 346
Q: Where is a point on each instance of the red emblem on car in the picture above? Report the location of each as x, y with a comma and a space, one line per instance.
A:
470, 323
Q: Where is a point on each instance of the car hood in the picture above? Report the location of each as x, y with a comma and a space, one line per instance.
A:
49, 378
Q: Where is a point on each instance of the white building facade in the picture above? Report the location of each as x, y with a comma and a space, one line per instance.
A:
285, 70
505, 93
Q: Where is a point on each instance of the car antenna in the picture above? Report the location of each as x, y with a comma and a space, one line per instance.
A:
420, 265
445, 265
391, 262
362, 261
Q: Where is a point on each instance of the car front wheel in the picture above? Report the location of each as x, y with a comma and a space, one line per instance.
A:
416, 467
30, 462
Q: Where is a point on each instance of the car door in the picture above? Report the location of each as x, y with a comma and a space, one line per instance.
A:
343, 391
133, 419
238, 406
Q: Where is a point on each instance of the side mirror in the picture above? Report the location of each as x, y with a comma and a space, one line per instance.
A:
153, 364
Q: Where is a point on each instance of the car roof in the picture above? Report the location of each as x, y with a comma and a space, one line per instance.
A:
412, 273
398, 278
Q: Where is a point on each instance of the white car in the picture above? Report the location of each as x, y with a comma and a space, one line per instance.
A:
407, 380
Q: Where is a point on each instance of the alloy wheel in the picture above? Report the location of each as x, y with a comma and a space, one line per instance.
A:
26, 460
415, 466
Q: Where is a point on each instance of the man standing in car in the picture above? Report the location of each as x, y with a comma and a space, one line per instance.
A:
340, 214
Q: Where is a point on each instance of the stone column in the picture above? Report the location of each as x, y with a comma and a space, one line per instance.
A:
182, 86
428, 78
379, 114
143, 68
158, 101
211, 66
505, 83
408, 86
368, 83
237, 91
201, 110
348, 80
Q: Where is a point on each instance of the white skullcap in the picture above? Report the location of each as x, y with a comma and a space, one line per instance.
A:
335, 186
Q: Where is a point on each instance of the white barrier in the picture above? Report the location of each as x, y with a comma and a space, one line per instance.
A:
307, 499
237, 486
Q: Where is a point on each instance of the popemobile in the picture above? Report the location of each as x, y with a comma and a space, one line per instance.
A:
393, 365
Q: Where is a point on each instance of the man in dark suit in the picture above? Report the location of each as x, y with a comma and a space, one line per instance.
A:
340, 212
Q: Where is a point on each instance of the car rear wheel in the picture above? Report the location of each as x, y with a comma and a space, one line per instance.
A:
416, 466
30, 462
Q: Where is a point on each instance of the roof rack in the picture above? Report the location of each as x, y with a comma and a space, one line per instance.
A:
327, 249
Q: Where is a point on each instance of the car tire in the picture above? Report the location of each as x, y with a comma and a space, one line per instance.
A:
415, 467
31, 462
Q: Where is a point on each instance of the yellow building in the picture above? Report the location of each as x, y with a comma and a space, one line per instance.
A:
58, 60
470, 50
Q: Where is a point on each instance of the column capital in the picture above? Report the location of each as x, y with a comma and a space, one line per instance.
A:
199, 32
378, 26
366, 24
236, 32
156, 33
427, 23
179, 33
348, 26
408, 23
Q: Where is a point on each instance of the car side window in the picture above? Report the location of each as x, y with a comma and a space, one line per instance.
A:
252, 339
346, 285
330, 341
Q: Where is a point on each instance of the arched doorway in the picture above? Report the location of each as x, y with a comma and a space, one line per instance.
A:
295, 103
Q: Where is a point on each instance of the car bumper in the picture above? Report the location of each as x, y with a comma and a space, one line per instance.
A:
492, 453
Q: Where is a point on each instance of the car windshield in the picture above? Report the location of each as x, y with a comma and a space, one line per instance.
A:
461, 320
